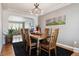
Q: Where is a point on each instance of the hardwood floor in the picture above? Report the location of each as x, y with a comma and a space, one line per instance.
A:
9, 51
75, 54
8, 48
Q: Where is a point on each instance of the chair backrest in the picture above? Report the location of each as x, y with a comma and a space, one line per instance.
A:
27, 37
47, 31
25, 31
38, 29
22, 33
53, 38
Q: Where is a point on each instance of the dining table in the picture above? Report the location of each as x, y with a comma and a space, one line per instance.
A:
38, 38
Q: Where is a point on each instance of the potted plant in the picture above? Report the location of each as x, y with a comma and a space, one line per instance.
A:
10, 35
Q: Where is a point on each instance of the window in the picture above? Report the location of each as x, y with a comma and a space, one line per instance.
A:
17, 22
15, 25
29, 23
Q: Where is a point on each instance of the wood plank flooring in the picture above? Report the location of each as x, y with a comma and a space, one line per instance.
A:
8, 50
75, 54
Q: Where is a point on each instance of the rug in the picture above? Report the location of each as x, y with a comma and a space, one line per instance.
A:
19, 49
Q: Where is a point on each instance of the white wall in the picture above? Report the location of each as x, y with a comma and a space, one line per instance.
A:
69, 33
0, 27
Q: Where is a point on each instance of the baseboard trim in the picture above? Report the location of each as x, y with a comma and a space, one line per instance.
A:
68, 47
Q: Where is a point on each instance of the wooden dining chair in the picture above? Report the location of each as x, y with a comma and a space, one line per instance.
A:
26, 38
23, 35
29, 43
48, 46
38, 29
47, 31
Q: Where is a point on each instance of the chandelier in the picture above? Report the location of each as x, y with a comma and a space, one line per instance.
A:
36, 10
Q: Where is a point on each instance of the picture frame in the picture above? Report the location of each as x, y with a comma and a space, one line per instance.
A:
60, 20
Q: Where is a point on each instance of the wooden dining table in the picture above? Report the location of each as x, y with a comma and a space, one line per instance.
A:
38, 38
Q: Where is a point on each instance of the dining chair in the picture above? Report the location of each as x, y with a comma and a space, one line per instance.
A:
38, 29
23, 35
26, 38
29, 43
51, 44
47, 31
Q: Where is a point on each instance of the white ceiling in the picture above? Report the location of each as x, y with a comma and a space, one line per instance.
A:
27, 7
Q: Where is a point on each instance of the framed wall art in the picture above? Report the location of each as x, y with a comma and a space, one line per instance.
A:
60, 20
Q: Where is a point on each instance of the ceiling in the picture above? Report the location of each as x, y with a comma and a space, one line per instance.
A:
27, 7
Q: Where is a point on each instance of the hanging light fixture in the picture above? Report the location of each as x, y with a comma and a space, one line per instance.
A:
36, 10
